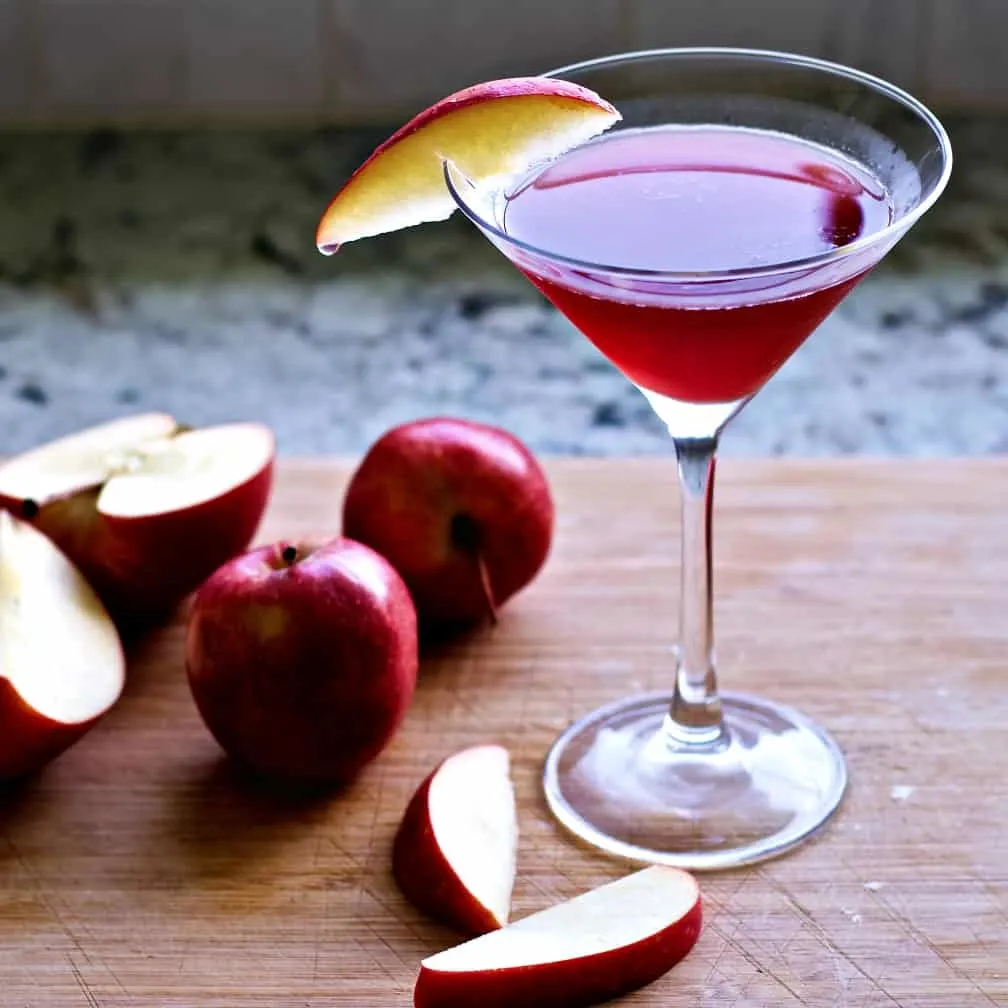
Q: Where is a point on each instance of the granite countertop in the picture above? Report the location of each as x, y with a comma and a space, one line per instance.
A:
178, 272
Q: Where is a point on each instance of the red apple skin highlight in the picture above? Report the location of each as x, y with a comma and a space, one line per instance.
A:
573, 983
303, 669
28, 739
410, 488
141, 568
427, 880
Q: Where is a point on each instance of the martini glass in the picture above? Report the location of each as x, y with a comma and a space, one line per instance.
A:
699, 317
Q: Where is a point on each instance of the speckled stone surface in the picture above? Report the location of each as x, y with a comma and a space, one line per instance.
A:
178, 272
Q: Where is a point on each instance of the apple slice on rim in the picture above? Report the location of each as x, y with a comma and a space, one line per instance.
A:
61, 662
590, 949
145, 508
493, 129
454, 853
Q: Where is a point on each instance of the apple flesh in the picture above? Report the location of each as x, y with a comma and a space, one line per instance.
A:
595, 947
61, 662
461, 509
302, 660
491, 129
144, 508
454, 853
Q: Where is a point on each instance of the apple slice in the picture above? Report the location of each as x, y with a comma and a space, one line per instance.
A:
454, 853
61, 662
590, 949
144, 508
489, 130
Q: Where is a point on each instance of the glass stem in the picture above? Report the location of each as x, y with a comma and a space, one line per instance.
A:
694, 717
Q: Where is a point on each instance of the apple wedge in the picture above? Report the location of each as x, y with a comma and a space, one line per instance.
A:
492, 129
592, 948
144, 508
61, 662
454, 854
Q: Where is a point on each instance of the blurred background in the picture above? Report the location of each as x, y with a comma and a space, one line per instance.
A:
163, 164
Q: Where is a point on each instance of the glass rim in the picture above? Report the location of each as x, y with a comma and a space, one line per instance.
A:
834, 255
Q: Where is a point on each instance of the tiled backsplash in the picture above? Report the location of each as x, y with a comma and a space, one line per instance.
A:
351, 60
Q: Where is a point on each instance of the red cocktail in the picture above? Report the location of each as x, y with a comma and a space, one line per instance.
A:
697, 198
697, 243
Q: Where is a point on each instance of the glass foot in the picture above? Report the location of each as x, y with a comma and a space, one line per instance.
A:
619, 780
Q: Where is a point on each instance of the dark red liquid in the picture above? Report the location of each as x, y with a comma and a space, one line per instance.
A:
689, 200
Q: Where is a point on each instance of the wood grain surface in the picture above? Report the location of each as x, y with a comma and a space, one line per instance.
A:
138, 870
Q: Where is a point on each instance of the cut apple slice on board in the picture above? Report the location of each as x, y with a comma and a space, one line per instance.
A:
61, 662
492, 129
454, 853
144, 508
592, 948
184, 471
80, 461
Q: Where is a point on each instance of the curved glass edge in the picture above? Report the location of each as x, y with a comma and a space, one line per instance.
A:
877, 243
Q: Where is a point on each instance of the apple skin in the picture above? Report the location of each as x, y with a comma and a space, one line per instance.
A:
141, 568
571, 983
414, 485
427, 879
303, 669
28, 739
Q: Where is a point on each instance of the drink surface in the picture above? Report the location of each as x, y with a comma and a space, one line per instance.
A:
695, 200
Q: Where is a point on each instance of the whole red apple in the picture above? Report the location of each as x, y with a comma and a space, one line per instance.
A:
461, 509
302, 660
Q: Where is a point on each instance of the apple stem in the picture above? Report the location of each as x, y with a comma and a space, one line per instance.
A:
484, 576
289, 555
465, 535
29, 509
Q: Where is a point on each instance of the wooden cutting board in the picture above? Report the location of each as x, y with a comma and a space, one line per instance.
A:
873, 595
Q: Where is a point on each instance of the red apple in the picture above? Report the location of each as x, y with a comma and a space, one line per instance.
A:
490, 129
302, 660
146, 509
61, 663
462, 510
454, 853
595, 947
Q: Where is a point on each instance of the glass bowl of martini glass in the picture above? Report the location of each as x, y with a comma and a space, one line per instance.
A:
697, 244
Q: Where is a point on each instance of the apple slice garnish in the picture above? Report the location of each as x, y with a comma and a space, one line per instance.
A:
493, 129
454, 853
595, 947
145, 508
61, 662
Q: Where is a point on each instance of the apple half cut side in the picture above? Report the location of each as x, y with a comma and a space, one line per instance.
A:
454, 853
61, 661
490, 130
590, 949
145, 509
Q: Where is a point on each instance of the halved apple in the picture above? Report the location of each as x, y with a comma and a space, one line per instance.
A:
145, 508
454, 853
595, 947
61, 662
489, 130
